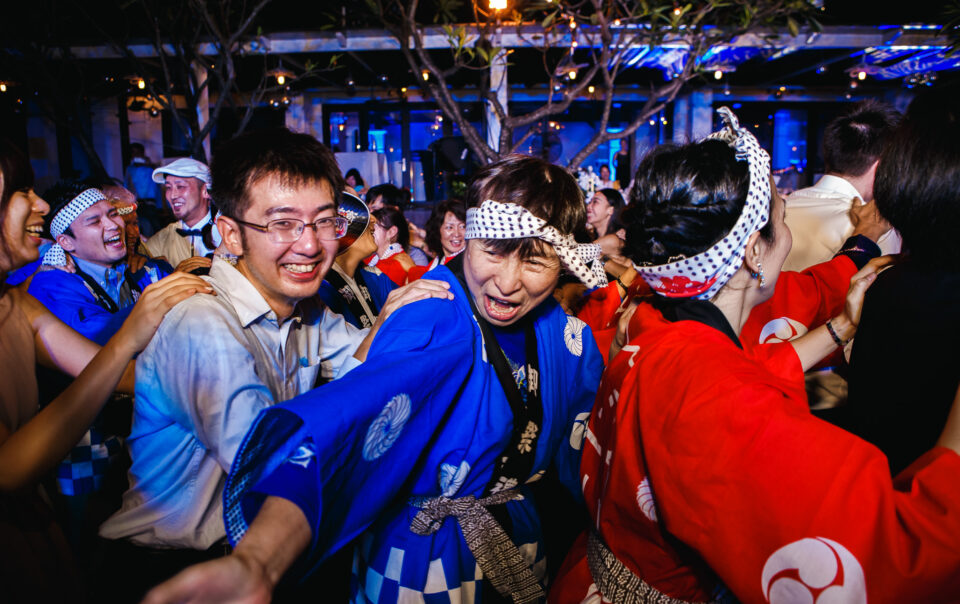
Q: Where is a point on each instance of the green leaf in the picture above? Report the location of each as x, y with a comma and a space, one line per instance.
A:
548, 21
793, 27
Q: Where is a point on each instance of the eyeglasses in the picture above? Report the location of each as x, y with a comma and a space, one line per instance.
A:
289, 230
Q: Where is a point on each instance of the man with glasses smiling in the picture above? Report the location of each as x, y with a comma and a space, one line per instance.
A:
214, 364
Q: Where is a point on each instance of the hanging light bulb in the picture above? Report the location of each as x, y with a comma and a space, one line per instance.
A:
141, 84
3, 86
281, 79
591, 89
498, 4
572, 74
717, 74
862, 76
425, 75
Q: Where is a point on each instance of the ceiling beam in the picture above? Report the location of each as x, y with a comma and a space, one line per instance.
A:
529, 36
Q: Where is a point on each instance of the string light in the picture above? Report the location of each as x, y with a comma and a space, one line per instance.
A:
677, 11
717, 74
862, 76
425, 75
498, 4
573, 24
616, 22
591, 89
3, 87
141, 84
281, 79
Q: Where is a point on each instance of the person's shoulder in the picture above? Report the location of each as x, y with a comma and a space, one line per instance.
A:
52, 282
197, 317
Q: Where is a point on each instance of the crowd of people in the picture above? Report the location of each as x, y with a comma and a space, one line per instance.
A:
291, 391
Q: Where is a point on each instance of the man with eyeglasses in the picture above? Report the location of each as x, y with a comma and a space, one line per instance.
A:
264, 338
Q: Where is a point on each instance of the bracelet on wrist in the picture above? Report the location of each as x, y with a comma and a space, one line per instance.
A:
833, 334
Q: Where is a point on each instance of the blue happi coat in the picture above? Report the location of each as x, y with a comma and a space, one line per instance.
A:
424, 416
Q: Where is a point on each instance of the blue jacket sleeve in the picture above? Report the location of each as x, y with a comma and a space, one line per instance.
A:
66, 296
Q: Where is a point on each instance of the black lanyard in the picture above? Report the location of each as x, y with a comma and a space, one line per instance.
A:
103, 299
515, 464
350, 297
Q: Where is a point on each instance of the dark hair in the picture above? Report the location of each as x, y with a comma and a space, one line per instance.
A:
59, 195
432, 228
547, 191
137, 149
918, 180
391, 216
684, 200
853, 141
356, 176
392, 195
17, 175
615, 199
297, 159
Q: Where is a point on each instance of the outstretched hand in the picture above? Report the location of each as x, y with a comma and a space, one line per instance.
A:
228, 579
154, 302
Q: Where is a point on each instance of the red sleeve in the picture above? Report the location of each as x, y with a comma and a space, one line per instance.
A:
415, 273
393, 269
602, 309
776, 500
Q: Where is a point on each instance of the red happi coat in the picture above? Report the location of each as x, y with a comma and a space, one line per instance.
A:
800, 302
702, 466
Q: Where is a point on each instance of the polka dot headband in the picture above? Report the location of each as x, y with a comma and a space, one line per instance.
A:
55, 256
703, 275
497, 220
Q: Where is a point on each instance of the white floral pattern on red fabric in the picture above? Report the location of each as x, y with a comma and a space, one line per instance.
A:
807, 571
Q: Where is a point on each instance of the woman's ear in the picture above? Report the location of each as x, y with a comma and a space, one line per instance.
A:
753, 254
392, 233
230, 234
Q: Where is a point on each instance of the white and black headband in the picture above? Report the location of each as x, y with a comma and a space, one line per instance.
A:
62, 220
500, 220
703, 275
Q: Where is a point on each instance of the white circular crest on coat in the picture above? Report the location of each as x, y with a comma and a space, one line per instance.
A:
452, 477
645, 500
782, 329
794, 572
573, 335
579, 427
386, 427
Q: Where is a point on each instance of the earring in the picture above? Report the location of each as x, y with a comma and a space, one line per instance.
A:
760, 275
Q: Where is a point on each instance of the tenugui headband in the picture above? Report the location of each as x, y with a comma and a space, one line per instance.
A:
498, 220
703, 275
55, 256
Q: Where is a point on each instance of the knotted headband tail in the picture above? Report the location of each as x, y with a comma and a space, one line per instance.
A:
703, 275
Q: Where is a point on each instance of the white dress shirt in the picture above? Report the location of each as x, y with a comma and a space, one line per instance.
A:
819, 219
214, 363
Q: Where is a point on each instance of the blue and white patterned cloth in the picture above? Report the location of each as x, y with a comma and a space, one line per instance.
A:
366, 445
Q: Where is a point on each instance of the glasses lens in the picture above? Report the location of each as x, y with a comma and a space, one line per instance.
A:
285, 230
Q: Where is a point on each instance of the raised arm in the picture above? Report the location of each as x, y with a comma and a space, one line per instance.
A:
43, 441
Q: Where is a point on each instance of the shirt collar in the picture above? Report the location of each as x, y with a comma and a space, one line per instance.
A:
702, 311
245, 298
203, 222
837, 184
97, 271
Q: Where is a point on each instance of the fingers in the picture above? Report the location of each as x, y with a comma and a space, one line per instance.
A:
193, 263
177, 279
874, 266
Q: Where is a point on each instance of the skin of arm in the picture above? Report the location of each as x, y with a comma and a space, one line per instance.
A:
275, 539
43, 441
816, 344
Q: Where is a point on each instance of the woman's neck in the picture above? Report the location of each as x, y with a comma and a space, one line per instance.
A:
600, 227
736, 300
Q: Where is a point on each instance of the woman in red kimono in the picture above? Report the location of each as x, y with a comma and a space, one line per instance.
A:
706, 477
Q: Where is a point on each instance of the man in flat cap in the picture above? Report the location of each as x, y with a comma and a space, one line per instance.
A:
189, 243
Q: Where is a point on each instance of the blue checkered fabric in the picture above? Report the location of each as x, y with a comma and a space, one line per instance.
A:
86, 465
